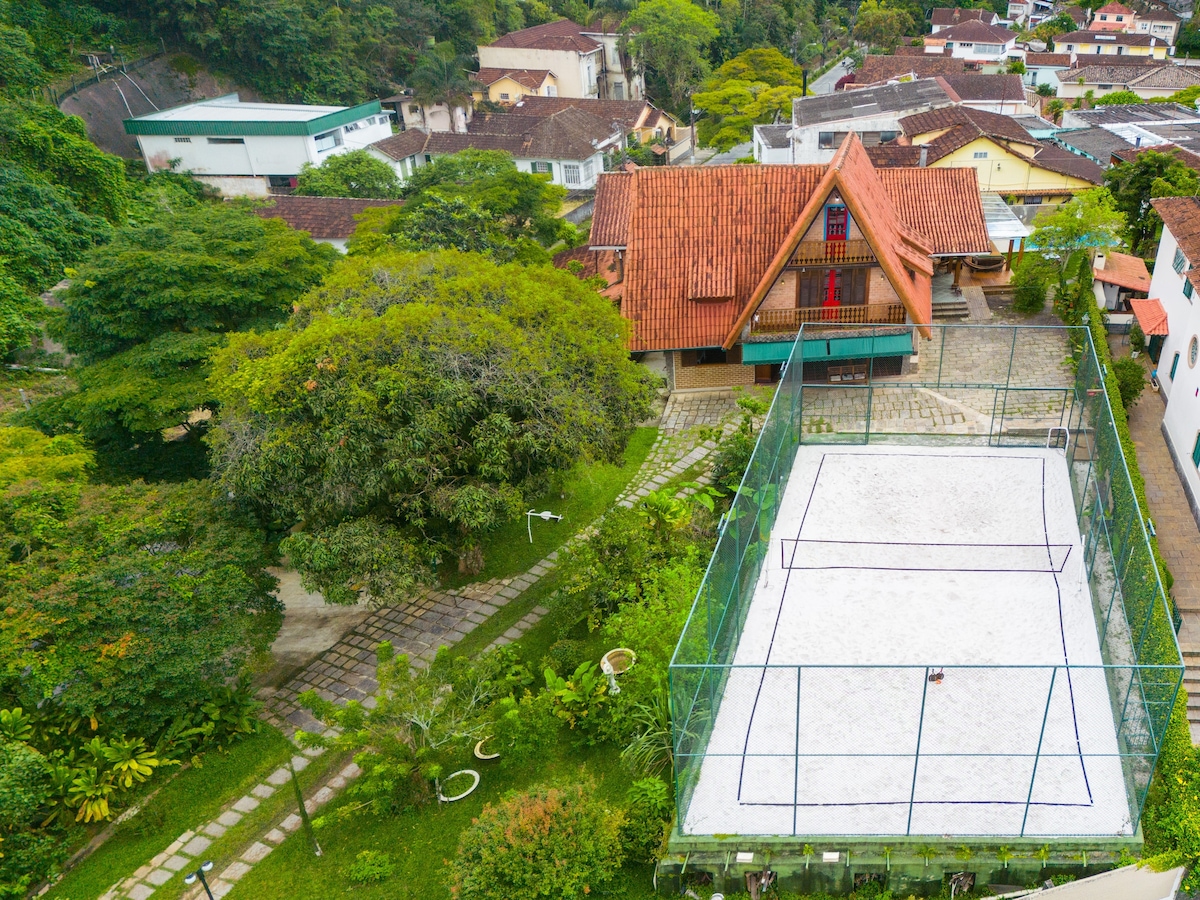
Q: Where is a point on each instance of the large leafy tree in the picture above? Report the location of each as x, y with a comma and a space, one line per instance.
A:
353, 174
126, 604
882, 24
753, 88
671, 37
1153, 173
414, 403
1089, 220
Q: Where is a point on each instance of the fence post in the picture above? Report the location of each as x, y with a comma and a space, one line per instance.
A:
796, 767
917, 754
941, 356
1037, 757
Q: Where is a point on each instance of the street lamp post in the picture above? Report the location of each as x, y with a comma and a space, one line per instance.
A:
191, 877
545, 516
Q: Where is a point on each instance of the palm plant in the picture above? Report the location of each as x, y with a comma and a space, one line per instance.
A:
440, 76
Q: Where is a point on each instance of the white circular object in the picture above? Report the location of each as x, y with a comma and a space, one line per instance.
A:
479, 754
467, 792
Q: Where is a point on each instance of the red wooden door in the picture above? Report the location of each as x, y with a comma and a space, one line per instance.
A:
835, 234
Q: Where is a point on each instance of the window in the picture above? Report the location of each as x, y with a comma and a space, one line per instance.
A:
1033, 200
830, 140
1193, 352
183, 140
571, 173
618, 90
414, 108
980, 154
1187, 288
542, 167
1179, 263
1120, 51
551, 91
353, 126
1106, 87
710, 356
328, 140
589, 170
1104, 18
504, 96
227, 140
1196, 453
1174, 366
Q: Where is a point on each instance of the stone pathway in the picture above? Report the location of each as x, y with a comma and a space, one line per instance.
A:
1178, 536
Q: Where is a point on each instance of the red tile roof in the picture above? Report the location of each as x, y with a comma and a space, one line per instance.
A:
1055, 159
1182, 216
943, 16
1115, 9
975, 32
610, 219
561, 35
941, 205
972, 123
325, 218
1151, 316
991, 88
530, 78
883, 68
630, 113
893, 153
1123, 270
403, 145
1185, 156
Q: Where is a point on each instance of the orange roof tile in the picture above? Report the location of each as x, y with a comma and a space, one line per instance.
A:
941, 205
1151, 316
1123, 270
610, 218
1182, 216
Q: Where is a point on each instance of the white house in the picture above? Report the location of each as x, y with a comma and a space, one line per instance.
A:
1160, 22
249, 148
942, 18
586, 60
1173, 292
975, 41
821, 122
772, 145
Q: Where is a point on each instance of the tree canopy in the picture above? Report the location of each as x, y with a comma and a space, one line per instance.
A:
1152, 173
752, 88
353, 174
1088, 221
671, 37
412, 405
882, 24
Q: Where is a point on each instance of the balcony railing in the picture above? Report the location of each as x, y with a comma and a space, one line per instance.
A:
814, 253
768, 321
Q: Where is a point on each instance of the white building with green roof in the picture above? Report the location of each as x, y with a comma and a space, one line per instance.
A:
249, 148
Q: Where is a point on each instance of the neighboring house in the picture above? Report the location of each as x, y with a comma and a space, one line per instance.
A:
411, 113
876, 69
1043, 68
1020, 10
1118, 278
821, 122
1173, 316
721, 265
1004, 94
250, 148
1006, 158
330, 220
569, 145
1146, 82
586, 60
1110, 44
1076, 14
943, 18
1112, 17
976, 42
1104, 133
510, 85
772, 144
637, 119
1160, 22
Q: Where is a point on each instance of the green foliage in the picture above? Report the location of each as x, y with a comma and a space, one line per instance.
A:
1016, 67
1131, 380
26, 454
553, 842
671, 36
1151, 174
371, 867
1030, 284
579, 699
752, 88
1187, 97
20, 316
127, 605
1046, 89
1052, 27
882, 24
353, 174
440, 77
1119, 98
647, 814
1090, 220
523, 729
205, 267
1137, 337
413, 404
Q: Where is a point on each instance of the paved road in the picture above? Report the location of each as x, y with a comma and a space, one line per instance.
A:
731, 156
824, 84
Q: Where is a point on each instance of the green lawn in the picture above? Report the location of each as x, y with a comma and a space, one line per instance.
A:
190, 798
586, 492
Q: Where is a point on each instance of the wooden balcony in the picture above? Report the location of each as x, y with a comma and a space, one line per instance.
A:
833, 253
772, 321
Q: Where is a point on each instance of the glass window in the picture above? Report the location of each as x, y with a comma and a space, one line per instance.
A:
227, 140
1174, 366
504, 96
825, 140
1196, 453
981, 154
1179, 263
183, 140
543, 167
571, 173
1187, 288
588, 170
1193, 352
328, 140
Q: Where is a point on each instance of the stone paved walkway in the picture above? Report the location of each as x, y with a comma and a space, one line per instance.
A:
1178, 536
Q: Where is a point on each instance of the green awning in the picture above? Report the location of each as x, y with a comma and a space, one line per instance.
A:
766, 352
761, 353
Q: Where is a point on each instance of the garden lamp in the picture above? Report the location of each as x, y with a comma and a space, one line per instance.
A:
545, 515
191, 877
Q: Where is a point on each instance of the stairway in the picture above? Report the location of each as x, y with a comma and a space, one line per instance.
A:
951, 309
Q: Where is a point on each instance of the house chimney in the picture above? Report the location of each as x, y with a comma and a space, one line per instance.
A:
924, 157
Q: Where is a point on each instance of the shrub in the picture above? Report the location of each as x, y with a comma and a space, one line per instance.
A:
523, 728
1131, 379
371, 867
646, 818
1137, 338
1029, 285
552, 842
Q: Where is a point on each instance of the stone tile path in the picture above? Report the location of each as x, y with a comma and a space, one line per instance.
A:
1178, 536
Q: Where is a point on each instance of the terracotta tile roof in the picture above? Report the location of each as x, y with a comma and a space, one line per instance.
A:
1064, 162
1164, 76
1115, 9
1094, 37
610, 218
630, 113
530, 78
1077, 13
993, 88
1168, 77
1123, 270
567, 134
1182, 216
324, 218
976, 32
1158, 14
1048, 59
944, 16
1187, 157
594, 262
561, 35
1151, 316
402, 145
884, 156
968, 121
882, 68
942, 205
1082, 60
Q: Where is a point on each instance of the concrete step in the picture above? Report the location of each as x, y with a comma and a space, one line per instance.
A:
956, 309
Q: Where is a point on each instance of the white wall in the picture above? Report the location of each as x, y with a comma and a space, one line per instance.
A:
570, 66
771, 156
589, 170
806, 139
633, 85
1182, 417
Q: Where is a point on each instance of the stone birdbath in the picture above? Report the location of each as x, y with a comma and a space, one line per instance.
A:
617, 662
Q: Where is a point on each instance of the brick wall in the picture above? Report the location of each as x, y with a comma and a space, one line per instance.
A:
710, 376
783, 294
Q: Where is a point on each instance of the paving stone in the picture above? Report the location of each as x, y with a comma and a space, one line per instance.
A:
220, 888
291, 823
256, 852
299, 763
540, 611
140, 891
246, 804
512, 634
275, 836
351, 771
142, 872
214, 829
262, 791
158, 860
159, 877
324, 795
229, 818
337, 782
198, 844
131, 882
176, 862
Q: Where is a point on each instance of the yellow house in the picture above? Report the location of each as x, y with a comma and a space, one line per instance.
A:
510, 85
1110, 44
1006, 159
